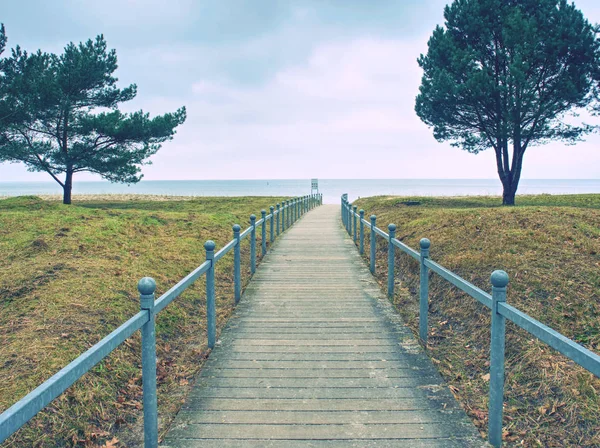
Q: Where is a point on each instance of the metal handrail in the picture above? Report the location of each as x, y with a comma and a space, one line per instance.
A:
496, 301
12, 419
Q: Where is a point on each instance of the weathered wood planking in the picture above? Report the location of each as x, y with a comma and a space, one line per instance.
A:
315, 356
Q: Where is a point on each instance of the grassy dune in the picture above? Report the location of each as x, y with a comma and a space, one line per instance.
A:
68, 277
550, 247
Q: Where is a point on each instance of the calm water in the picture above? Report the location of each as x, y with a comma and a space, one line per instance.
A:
332, 189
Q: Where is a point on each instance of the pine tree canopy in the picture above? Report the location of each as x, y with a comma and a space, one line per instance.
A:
508, 73
59, 114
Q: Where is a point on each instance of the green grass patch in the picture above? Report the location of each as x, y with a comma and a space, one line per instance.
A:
550, 247
68, 276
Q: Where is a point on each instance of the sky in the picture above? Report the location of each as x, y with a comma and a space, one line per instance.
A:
286, 89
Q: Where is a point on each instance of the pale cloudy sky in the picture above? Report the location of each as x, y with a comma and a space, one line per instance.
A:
279, 89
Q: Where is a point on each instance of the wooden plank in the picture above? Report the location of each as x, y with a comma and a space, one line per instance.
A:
322, 393
314, 365
380, 443
254, 404
320, 417
370, 382
319, 349
355, 342
314, 373
304, 357
319, 432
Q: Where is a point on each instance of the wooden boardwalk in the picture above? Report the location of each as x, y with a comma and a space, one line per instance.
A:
315, 356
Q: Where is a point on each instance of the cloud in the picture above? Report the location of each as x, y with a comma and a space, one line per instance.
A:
325, 89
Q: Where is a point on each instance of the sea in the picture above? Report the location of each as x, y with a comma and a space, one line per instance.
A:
331, 189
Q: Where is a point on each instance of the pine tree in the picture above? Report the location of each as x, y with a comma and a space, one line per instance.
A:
507, 74
59, 114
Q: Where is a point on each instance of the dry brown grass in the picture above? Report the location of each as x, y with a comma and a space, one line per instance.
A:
68, 277
550, 247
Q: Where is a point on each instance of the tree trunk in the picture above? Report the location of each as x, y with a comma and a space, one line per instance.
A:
67, 187
510, 182
510, 177
508, 195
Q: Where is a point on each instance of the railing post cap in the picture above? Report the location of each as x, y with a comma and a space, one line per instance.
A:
499, 279
146, 286
362, 212
354, 207
272, 208
253, 217
236, 228
373, 217
392, 227
424, 243
263, 212
210, 245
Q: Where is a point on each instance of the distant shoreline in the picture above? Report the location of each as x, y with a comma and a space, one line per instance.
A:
121, 197
332, 189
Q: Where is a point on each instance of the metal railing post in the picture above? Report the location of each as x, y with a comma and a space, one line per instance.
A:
361, 247
373, 244
346, 216
499, 281
349, 216
271, 230
253, 244
321, 199
146, 288
278, 213
263, 235
237, 262
287, 214
211, 309
354, 219
350, 219
424, 290
391, 260
282, 216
